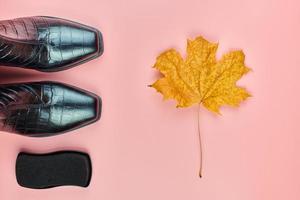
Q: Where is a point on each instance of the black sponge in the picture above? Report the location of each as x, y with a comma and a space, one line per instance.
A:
54, 169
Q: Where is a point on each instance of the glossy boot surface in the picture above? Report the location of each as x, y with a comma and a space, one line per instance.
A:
46, 108
47, 44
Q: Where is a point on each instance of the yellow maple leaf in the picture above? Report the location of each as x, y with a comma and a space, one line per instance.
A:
200, 78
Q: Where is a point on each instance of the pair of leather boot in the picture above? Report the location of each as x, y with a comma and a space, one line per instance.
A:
47, 44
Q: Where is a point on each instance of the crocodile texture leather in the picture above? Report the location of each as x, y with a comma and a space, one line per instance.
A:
46, 108
47, 44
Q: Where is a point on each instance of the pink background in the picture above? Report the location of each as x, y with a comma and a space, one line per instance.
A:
144, 148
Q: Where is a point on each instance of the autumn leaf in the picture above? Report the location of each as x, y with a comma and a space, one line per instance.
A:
201, 79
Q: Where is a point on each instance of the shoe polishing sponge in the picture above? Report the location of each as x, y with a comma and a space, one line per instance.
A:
41, 171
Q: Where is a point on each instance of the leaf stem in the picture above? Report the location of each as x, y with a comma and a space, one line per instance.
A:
200, 143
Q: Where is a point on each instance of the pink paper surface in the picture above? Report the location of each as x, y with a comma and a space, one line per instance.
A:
144, 148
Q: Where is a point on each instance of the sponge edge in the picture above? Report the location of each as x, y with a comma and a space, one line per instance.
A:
40, 171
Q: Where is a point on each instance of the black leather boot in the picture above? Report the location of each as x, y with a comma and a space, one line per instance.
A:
46, 108
47, 44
